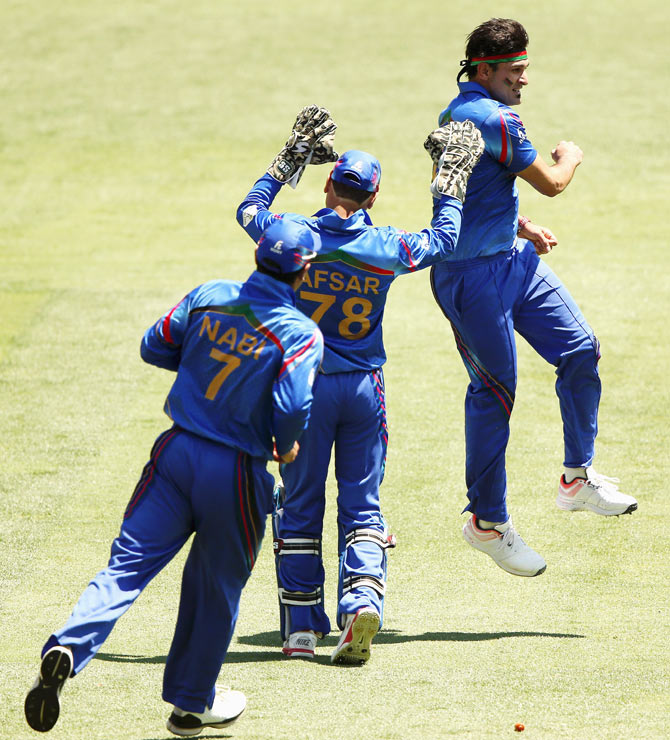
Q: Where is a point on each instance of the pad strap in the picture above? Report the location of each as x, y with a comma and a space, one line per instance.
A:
385, 541
296, 546
301, 598
352, 582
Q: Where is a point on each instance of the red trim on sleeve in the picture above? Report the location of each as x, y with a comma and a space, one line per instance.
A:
503, 135
412, 265
294, 357
165, 328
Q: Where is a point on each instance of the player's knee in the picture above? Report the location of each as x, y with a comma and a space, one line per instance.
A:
582, 360
298, 561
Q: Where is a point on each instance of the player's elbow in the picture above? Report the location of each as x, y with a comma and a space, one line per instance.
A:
549, 181
146, 352
551, 188
160, 356
239, 215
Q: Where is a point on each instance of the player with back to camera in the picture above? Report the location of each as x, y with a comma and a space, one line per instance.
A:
245, 359
494, 283
345, 294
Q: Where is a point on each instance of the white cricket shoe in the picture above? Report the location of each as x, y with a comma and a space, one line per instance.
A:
42, 704
596, 493
300, 644
504, 544
226, 708
359, 629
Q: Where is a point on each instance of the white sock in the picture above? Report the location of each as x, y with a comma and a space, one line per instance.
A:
500, 526
572, 473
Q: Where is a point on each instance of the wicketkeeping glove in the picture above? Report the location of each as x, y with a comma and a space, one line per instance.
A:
455, 149
310, 142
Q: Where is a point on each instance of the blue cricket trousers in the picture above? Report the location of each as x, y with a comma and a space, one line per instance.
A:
486, 300
189, 485
348, 412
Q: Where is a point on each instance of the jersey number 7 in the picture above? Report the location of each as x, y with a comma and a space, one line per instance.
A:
232, 363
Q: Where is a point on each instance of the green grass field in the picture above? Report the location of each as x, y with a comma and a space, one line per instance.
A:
130, 131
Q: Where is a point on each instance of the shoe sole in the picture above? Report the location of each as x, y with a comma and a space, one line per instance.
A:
191, 731
297, 653
42, 705
567, 504
357, 651
525, 574
512, 571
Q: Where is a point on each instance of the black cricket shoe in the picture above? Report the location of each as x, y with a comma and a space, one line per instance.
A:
42, 705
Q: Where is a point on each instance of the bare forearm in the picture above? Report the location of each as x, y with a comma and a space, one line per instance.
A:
562, 175
552, 180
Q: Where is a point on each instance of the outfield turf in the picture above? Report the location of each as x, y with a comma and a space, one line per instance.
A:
130, 131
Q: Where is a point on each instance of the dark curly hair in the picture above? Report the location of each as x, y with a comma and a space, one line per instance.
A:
492, 38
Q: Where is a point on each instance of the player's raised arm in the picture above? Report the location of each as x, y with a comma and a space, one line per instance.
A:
552, 180
311, 142
455, 149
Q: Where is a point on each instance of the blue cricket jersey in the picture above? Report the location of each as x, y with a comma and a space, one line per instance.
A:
245, 358
347, 284
490, 212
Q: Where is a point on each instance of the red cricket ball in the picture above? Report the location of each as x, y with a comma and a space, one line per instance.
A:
518, 727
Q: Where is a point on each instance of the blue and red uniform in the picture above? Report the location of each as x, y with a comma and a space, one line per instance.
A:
493, 284
245, 359
345, 293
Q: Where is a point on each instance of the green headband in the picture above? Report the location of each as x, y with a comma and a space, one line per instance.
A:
515, 57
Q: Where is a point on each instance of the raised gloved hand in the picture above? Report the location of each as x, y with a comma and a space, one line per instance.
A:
455, 149
310, 142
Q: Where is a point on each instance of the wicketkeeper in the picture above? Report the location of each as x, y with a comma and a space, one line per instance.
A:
245, 360
345, 294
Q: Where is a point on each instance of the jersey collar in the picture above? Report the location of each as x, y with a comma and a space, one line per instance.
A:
271, 288
473, 87
331, 221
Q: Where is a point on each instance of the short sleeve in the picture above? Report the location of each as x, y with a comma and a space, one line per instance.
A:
506, 140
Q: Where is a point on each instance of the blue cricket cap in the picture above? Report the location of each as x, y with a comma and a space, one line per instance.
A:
359, 170
286, 246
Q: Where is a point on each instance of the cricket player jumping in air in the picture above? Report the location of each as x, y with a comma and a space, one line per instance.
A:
245, 359
494, 283
345, 294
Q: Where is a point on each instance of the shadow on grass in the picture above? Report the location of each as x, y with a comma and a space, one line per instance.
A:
385, 637
231, 656
121, 658
200, 737
388, 637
